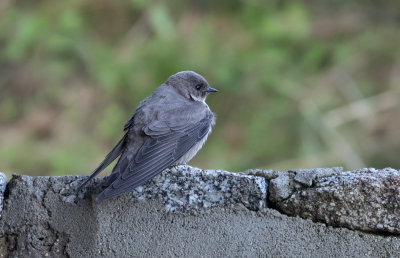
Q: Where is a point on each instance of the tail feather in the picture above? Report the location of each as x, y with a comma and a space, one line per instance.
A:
109, 158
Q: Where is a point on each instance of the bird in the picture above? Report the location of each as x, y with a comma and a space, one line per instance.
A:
167, 128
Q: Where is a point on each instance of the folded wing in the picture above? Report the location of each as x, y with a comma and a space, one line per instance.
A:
166, 144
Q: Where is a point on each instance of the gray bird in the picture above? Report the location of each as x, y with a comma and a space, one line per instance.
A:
168, 128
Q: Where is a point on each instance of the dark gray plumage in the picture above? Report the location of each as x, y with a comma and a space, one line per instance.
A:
168, 128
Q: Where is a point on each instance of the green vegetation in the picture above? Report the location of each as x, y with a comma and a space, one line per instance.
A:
302, 84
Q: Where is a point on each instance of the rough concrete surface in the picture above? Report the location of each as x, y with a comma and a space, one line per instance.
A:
365, 199
188, 212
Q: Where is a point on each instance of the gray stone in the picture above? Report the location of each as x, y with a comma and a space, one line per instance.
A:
268, 174
3, 184
284, 184
306, 177
184, 188
365, 199
281, 187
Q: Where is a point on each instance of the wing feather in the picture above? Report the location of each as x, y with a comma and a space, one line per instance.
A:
166, 144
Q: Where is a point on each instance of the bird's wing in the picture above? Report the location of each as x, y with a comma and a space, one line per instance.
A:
167, 142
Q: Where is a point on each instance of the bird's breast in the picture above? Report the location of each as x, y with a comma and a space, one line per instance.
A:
193, 151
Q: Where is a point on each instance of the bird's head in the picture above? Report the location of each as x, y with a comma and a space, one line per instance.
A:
191, 85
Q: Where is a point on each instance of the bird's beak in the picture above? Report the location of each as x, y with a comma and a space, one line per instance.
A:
211, 90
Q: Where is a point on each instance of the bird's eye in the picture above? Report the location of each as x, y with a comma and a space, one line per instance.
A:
198, 86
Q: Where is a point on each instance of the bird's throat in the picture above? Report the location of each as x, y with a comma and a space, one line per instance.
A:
194, 98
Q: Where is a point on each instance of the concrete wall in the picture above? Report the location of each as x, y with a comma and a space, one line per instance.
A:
188, 212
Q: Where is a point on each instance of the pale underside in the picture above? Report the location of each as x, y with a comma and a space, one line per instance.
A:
193, 151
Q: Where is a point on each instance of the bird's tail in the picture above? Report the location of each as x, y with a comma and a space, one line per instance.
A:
109, 158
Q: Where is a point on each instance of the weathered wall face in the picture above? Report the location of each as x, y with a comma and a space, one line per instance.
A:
189, 212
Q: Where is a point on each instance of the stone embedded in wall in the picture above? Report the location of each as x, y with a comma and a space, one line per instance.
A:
365, 199
283, 184
3, 184
307, 177
184, 188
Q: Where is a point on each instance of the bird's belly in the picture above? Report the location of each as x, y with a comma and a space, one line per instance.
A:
192, 152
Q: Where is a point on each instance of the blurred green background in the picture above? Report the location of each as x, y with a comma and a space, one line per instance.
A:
302, 83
